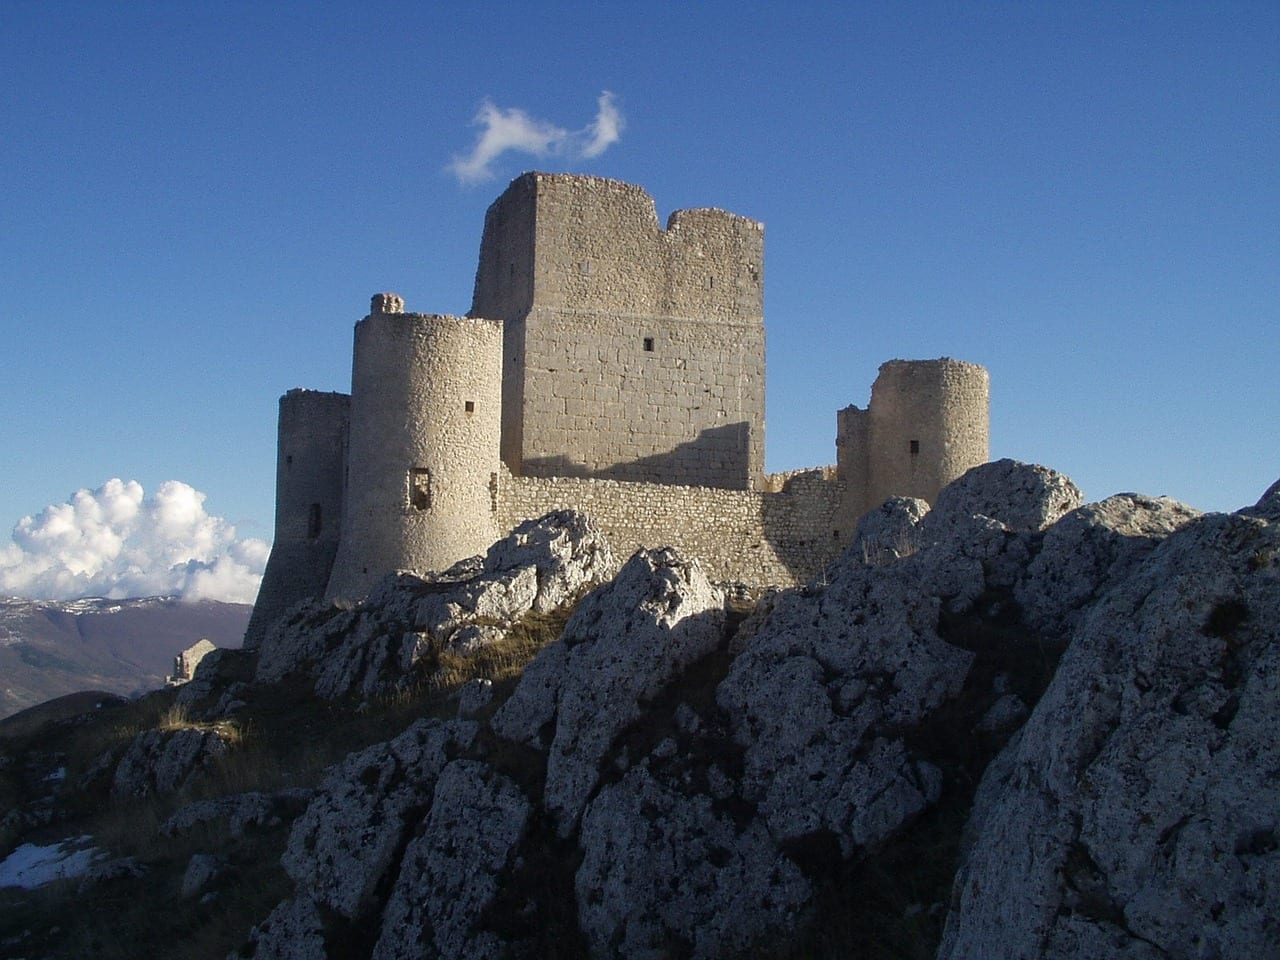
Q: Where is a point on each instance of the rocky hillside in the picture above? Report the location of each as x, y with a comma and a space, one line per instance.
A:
51, 648
1012, 726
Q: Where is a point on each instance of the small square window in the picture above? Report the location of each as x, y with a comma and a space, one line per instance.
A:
648, 344
420, 488
469, 406
915, 447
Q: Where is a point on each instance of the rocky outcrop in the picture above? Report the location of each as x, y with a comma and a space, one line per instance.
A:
1023, 497
162, 761
820, 697
665, 781
890, 531
1090, 550
621, 648
1135, 814
240, 811
664, 867
542, 565
451, 871
350, 835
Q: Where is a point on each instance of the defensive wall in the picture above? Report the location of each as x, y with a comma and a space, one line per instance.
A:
608, 365
782, 538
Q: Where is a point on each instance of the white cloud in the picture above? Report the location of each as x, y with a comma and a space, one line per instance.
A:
513, 129
605, 130
116, 542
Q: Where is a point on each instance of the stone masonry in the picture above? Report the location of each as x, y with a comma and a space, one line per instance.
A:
608, 365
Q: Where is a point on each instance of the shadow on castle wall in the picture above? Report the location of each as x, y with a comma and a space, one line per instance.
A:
719, 457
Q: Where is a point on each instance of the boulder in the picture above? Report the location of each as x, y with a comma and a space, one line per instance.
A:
1135, 814
451, 870
202, 870
1023, 497
1089, 550
822, 695
162, 761
294, 931
667, 873
890, 531
542, 565
625, 643
359, 821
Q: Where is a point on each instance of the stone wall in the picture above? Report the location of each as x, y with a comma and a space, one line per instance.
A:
783, 538
425, 425
632, 352
310, 473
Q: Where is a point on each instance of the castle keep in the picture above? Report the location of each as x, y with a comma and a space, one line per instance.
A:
607, 365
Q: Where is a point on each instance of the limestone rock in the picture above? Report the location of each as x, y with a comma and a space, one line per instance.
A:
542, 565
890, 531
622, 647
822, 694
162, 761
1023, 497
450, 872
1135, 814
293, 931
340, 849
660, 868
202, 870
473, 697
1089, 550
1268, 505
242, 811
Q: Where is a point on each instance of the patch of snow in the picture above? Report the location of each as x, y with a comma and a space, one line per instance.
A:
32, 866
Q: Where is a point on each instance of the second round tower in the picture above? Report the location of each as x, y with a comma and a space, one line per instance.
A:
426, 421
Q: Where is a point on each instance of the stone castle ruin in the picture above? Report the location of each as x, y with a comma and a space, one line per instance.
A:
607, 365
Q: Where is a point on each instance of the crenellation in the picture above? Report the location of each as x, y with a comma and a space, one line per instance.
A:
609, 365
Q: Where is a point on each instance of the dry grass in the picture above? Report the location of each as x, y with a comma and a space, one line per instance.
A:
285, 737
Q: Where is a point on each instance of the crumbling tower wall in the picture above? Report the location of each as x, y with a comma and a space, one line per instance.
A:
310, 471
632, 352
423, 451
927, 423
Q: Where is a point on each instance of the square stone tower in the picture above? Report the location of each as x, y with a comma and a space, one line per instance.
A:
631, 352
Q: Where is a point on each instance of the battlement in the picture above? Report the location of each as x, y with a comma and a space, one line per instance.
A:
561, 242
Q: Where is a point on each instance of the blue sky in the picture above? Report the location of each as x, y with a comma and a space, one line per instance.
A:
199, 200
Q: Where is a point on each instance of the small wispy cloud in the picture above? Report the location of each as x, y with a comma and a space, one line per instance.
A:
504, 130
117, 542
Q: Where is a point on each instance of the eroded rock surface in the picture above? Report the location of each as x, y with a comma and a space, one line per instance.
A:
821, 694
350, 835
451, 871
1024, 497
623, 645
542, 565
1090, 550
663, 868
890, 531
1136, 813
162, 761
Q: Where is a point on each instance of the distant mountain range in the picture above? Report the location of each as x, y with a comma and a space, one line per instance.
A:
50, 648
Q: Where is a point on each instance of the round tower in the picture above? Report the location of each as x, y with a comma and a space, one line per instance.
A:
929, 422
310, 466
426, 416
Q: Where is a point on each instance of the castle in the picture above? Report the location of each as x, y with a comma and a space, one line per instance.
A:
607, 365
